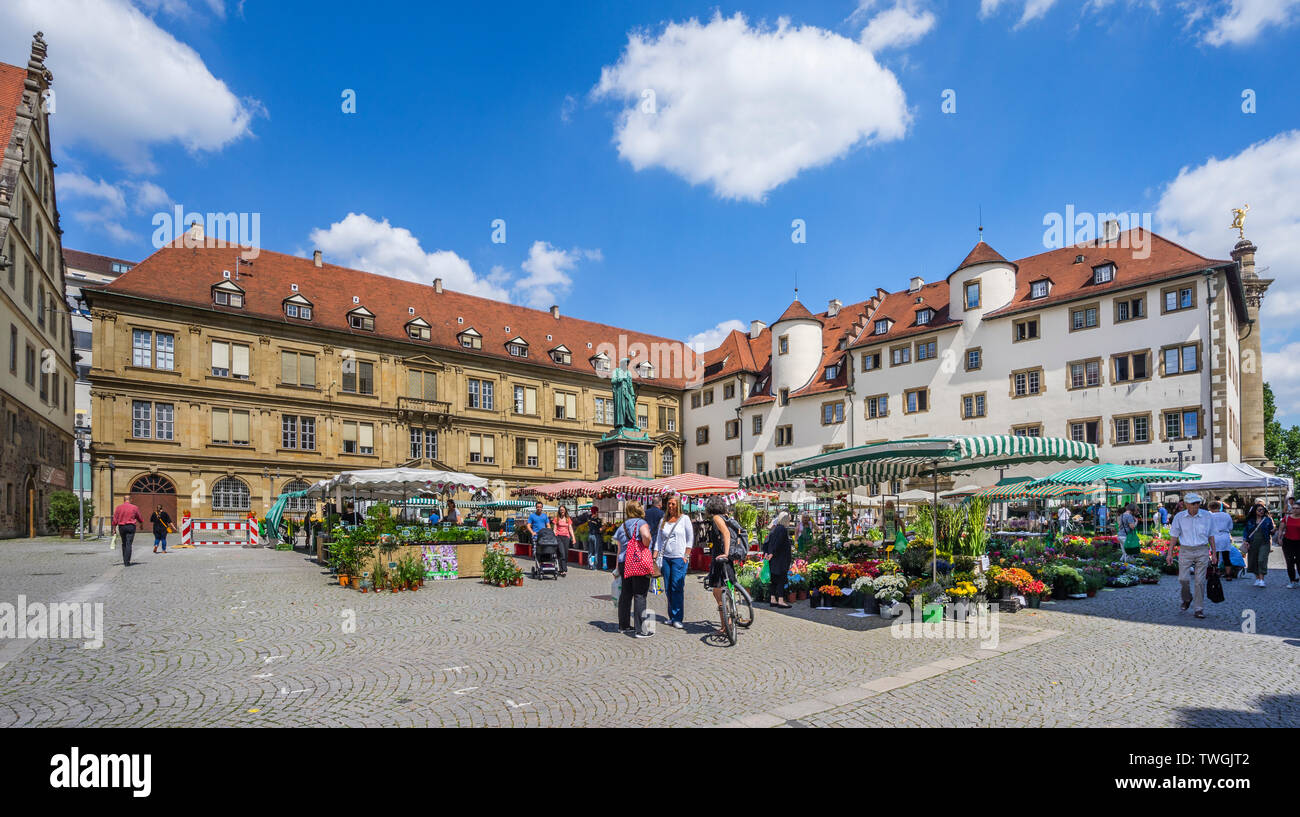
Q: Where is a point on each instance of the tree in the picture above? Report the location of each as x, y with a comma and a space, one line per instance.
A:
1281, 445
62, 513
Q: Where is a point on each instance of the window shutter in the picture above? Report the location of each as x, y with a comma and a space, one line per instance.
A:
367, 435
220, 355
349, 432
474, 444
530, 401
288, 367
220, 426
239, 364
532, 449
571, 406
239, 433
306, 370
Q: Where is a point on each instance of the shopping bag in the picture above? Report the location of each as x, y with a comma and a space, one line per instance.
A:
616, 587
112, 543
1234, 557
1131, 543
1213, 586
765, 574
900, 542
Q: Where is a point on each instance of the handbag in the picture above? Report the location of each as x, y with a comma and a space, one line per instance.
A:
638, 558
112, 543
1131, 542
1213, 586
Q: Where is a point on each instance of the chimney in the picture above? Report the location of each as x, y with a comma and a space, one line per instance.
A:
1110, 230
833, 308
916, 283
555, 311
755, 329
315, 258
437, 285
196, 231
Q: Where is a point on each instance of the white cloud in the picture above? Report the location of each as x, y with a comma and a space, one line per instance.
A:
99, 205
1244, 20
548, 274
1194, 210
902, 25
377, 246
746, 109
1282, 371
710, 338
1030, 9
122, 84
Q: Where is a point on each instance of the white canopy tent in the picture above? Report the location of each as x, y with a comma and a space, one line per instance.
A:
1227, 476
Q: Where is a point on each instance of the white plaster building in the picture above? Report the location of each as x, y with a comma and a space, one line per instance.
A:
1134, 344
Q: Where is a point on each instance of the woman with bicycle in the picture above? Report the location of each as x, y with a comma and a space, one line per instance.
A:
719, 538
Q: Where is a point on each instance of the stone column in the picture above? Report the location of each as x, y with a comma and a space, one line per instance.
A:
1252, 374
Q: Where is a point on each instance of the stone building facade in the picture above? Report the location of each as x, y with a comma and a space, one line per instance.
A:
36, 381
220, 383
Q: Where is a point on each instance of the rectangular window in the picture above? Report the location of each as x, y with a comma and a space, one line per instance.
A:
972, 294
708, 397
702, 435
1027, 431
733, 467
667, 418
916, 400
526, 400
141, 419
31, 365
422, 385
782, 348
642, 418
923, 316
877, 406
1025, 330
141, 348
974, 359
1085, 431
230, 360
900, 355
785, 397
297, 369
729, 391
756, 424
870, 361
785, 435
1083, 318
482, 448
13, 349
230, 427
1131, 367
758, 463
702, 468
1179, 297
424, 443
1183, 359
695, 400
833, 413
927, 350
288, 431
1027, 383
481, 394
881, 327
566, 406
1085, 373
1103, 274
605, 409
972, 406
1183, 424
732, 429
1130, 309
566, 456
525, 453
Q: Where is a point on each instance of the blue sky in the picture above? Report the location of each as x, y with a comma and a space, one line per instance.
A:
678, 220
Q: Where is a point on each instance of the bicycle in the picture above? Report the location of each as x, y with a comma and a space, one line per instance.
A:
737, 604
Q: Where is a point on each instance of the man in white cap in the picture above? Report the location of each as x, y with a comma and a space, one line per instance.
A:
1192, 533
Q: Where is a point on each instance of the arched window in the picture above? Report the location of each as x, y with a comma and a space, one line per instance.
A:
298, 503
153, 484
669, 461
230, 494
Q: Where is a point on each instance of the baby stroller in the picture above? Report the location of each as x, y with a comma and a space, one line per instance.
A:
546, 554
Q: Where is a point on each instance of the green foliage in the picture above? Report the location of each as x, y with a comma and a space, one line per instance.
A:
62, 513
1281, 445
747, 516
379, 518
916, 561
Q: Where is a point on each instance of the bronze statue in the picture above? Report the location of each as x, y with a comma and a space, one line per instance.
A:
624, 397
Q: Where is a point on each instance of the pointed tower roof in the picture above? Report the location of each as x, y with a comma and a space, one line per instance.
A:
982, 254
797, 311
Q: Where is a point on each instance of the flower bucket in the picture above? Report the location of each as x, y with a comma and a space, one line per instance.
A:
343, 580
931, 613
1034, 602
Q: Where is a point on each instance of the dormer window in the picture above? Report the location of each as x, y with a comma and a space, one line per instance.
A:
1103, 274
517, 347
562, 355
227, 293
760, 387
882, 326
646, 370
924, 316
1038, 289
362, 319
469, 339
418, 329
297, 307
832, 371
600, 362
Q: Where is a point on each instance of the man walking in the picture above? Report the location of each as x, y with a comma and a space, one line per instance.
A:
125, 518
653, 516
1192, 533
1222, 537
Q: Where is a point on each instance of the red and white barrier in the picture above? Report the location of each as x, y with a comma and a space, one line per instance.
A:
218, 531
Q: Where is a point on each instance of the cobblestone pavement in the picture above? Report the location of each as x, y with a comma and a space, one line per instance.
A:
246, 637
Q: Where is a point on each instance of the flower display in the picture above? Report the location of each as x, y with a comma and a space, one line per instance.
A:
889, 587
864, 584
962, 590
829, 590
1036, 588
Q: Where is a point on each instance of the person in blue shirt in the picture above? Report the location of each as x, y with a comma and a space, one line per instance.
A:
537, 520
1101, 516
653, 516
434, 517
1164, 514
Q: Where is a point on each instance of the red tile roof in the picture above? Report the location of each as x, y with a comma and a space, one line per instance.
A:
840, 327
737, 353
901, 309
185, 276
981, 254
11, 96
1072, 281
796, 311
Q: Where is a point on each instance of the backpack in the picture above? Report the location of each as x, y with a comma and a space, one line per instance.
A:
739, 549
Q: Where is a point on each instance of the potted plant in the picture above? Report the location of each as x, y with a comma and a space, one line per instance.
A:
889, 590
1093, 580
1034, 592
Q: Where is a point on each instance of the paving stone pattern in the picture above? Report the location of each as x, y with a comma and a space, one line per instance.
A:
202, 637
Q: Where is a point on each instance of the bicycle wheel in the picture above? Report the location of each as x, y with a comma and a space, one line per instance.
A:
744, 607
729, 613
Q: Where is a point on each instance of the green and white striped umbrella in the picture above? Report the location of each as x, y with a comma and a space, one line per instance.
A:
1111, 472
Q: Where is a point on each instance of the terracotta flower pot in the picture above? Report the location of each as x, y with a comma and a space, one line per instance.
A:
343, 580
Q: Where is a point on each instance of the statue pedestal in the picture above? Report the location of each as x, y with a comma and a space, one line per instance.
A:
625, 452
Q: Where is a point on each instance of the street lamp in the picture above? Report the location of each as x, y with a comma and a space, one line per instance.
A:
740, 438
81, 484
112, 470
